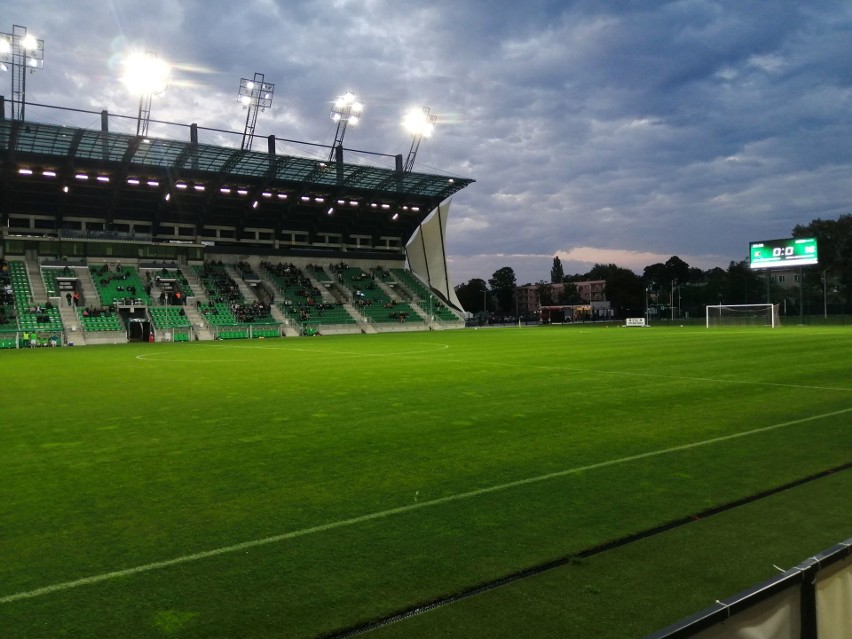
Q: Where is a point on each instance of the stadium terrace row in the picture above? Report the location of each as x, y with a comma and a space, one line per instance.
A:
109, 302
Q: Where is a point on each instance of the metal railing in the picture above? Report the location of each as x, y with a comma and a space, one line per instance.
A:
807, 591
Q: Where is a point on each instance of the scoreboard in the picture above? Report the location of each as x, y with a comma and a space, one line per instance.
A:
795, 251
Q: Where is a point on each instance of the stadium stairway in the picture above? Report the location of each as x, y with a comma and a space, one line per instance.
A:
156, 291
326, 295
423, 315
366, 327
336, 293
73, 329
390, 291
37, 290
194, 283
400, 293
245, 290
202, 332
278, 316
89, 295
349, 308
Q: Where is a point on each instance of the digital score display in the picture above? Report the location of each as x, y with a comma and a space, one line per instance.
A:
795, 251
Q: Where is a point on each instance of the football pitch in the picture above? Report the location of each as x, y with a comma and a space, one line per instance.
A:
306, 487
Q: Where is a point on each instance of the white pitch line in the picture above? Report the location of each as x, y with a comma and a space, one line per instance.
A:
85, 581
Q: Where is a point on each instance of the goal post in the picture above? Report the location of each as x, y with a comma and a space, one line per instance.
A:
743, 315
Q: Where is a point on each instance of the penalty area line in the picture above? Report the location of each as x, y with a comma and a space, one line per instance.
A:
128, 572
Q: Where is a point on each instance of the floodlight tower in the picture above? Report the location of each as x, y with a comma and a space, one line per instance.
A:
345, 109
146, 75
254, 94
23, 53
421, 124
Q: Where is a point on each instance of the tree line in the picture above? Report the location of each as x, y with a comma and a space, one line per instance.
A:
675, 288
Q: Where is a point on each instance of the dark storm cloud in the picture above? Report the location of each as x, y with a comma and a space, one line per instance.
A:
620, 132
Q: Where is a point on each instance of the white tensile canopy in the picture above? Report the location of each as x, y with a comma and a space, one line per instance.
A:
427, 256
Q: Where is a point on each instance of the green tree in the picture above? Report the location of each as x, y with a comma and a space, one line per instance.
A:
569, 295
655, 274
544, 293
675, 269
556, 272
624, 289
696, 275
472, 295
834, 247
503, 285
678, 270
716, 287
743, 285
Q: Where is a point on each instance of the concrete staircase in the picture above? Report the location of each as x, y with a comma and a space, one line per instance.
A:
74, 333
37, 289
278, 316
194, 283
89, 296
245, 289
201, 328
390, 291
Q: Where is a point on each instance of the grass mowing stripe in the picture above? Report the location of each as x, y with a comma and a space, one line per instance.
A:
534, 571
68, 585
151, 357
423, 354
713, 380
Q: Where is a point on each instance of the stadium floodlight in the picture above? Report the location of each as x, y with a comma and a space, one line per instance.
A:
345, 109
22, 52
421, 125
255, 95
146, 75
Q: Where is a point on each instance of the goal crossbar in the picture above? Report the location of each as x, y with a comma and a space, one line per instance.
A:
743, 315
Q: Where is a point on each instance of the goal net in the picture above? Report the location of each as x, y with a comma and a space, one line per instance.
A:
743, 315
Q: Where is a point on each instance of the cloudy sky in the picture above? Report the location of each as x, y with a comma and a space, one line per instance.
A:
624, 131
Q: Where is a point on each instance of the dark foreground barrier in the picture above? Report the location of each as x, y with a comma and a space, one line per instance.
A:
810, 601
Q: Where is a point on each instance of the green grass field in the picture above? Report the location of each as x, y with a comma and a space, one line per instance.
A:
300, 487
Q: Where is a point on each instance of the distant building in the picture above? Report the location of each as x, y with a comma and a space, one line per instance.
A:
526, 300
591, 297
785, 278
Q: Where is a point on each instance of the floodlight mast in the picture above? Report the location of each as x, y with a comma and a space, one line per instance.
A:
421, 124
254, 95
144, 116
22, 52
345, 109
147, 75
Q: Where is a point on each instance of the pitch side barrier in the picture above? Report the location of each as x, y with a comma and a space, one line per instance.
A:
808, 601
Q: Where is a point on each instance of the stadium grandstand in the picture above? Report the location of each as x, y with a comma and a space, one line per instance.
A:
109, 237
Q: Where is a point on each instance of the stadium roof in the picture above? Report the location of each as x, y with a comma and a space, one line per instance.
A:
60, 171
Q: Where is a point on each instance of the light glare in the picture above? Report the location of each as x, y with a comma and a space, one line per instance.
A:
29, 42
145, 73
419, 122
